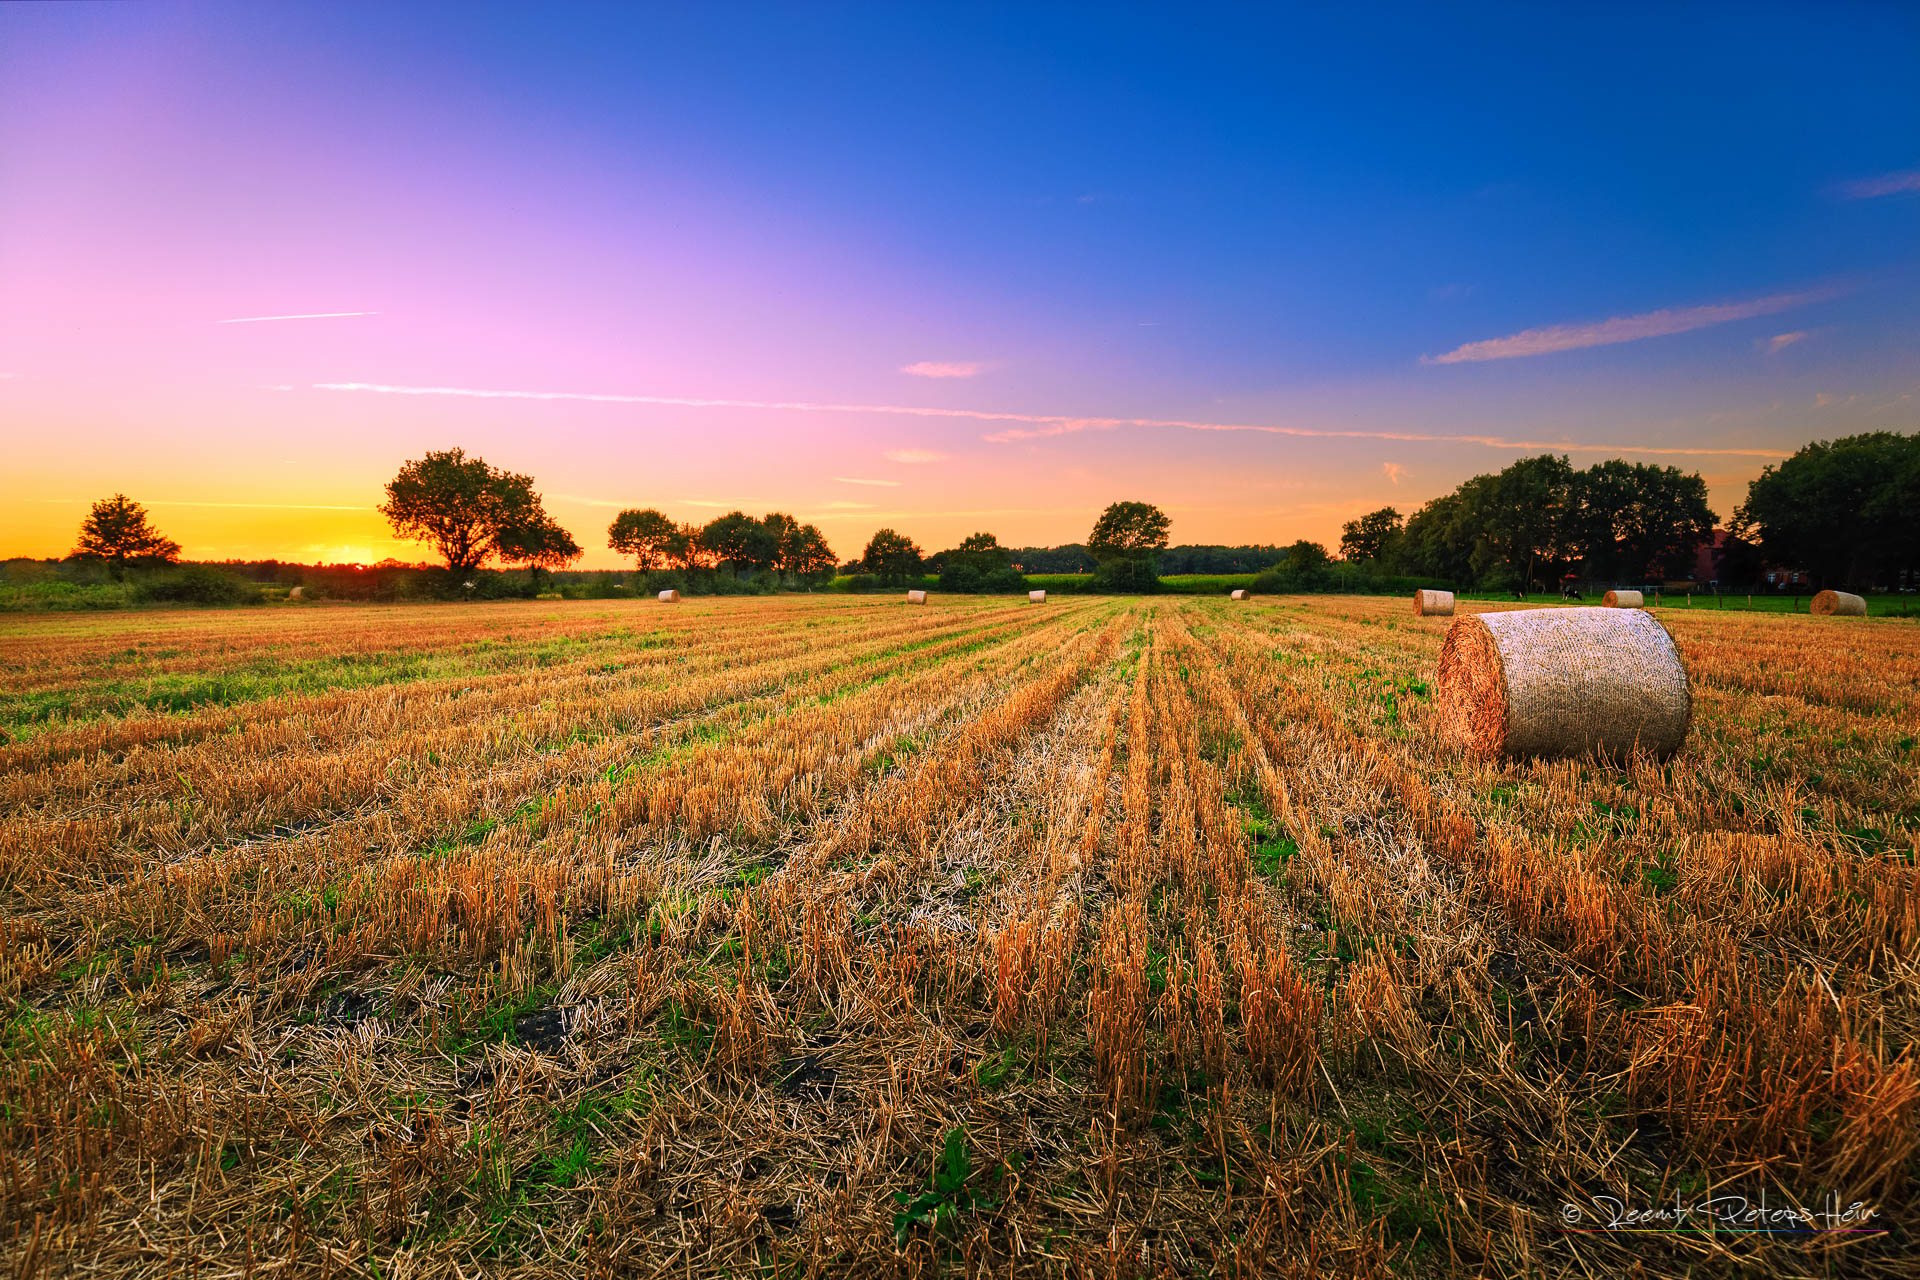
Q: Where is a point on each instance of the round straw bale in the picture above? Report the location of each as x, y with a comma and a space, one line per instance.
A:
669, 596
1433, 604
1839, 604
1240, 594
1036, 597
1562, 682
916, 597
1624, 600
297, 593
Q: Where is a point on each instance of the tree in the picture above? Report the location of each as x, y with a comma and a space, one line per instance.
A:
461, 505
1629, 519
648, 536
979, 563
1844, 510
539, 544
1369, 538
1125, 542
893, 556
739, 542
805, 553
117, 530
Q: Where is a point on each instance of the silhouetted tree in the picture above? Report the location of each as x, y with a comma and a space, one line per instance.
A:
892, 556
1629, 519
539, 544
646, 535
1371, 537
739, 542
462, 506
1847, 511
1124, 543
117, 530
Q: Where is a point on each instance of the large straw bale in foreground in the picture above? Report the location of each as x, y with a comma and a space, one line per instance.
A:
1839, 604
1240, 593
1624, 600
1433, 604
1036, 597
1562, 682
916, 597
669, 597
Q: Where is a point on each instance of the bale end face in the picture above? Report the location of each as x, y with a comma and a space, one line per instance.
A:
1838, 604
1036, 597
1433, 604
1562, 682
1624, 600
916, 597
669, 597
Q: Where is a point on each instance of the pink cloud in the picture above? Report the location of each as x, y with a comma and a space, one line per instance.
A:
1603, 333
1887, 184
1393, 471
943, 368
1781, 341
1035, 426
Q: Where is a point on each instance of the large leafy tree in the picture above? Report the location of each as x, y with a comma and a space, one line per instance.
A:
117, 530
646, 535
467, 509
1125, 542
739, 542
1371, 537
979, 563
1847, 511
805, 554
1630, 520
893, 556
540, 544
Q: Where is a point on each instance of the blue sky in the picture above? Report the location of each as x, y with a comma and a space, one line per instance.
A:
1209, 216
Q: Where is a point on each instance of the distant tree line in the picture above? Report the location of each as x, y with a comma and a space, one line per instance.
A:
1843, 513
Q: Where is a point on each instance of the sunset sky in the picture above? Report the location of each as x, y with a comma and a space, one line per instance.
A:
943, 269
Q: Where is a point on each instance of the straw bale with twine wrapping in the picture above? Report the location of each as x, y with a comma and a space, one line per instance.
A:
1562, 682
1036, 597
1433, 604
669, 596
1838, 604
1239, 594
916, 597
1624, 600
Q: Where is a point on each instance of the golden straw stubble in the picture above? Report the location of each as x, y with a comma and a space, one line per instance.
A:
1562, 682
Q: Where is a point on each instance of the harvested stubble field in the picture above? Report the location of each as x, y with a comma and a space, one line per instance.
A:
828, 936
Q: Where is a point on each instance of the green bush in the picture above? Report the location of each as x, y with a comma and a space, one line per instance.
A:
194, 584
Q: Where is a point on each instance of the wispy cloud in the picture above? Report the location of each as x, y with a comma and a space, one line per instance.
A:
915, 457
1781, 341
8, 377
1905, 182
878, 484
943, 368
1035, 426
1604, 333
1393, 471
311, 315
838, 505
236, 506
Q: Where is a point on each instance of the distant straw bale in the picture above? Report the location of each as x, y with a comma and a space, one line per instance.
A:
1839, 604
1036, 597
916, 597
1562, 682
669, 596
1240, 594
1433, 604
297, 593
1624, 600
